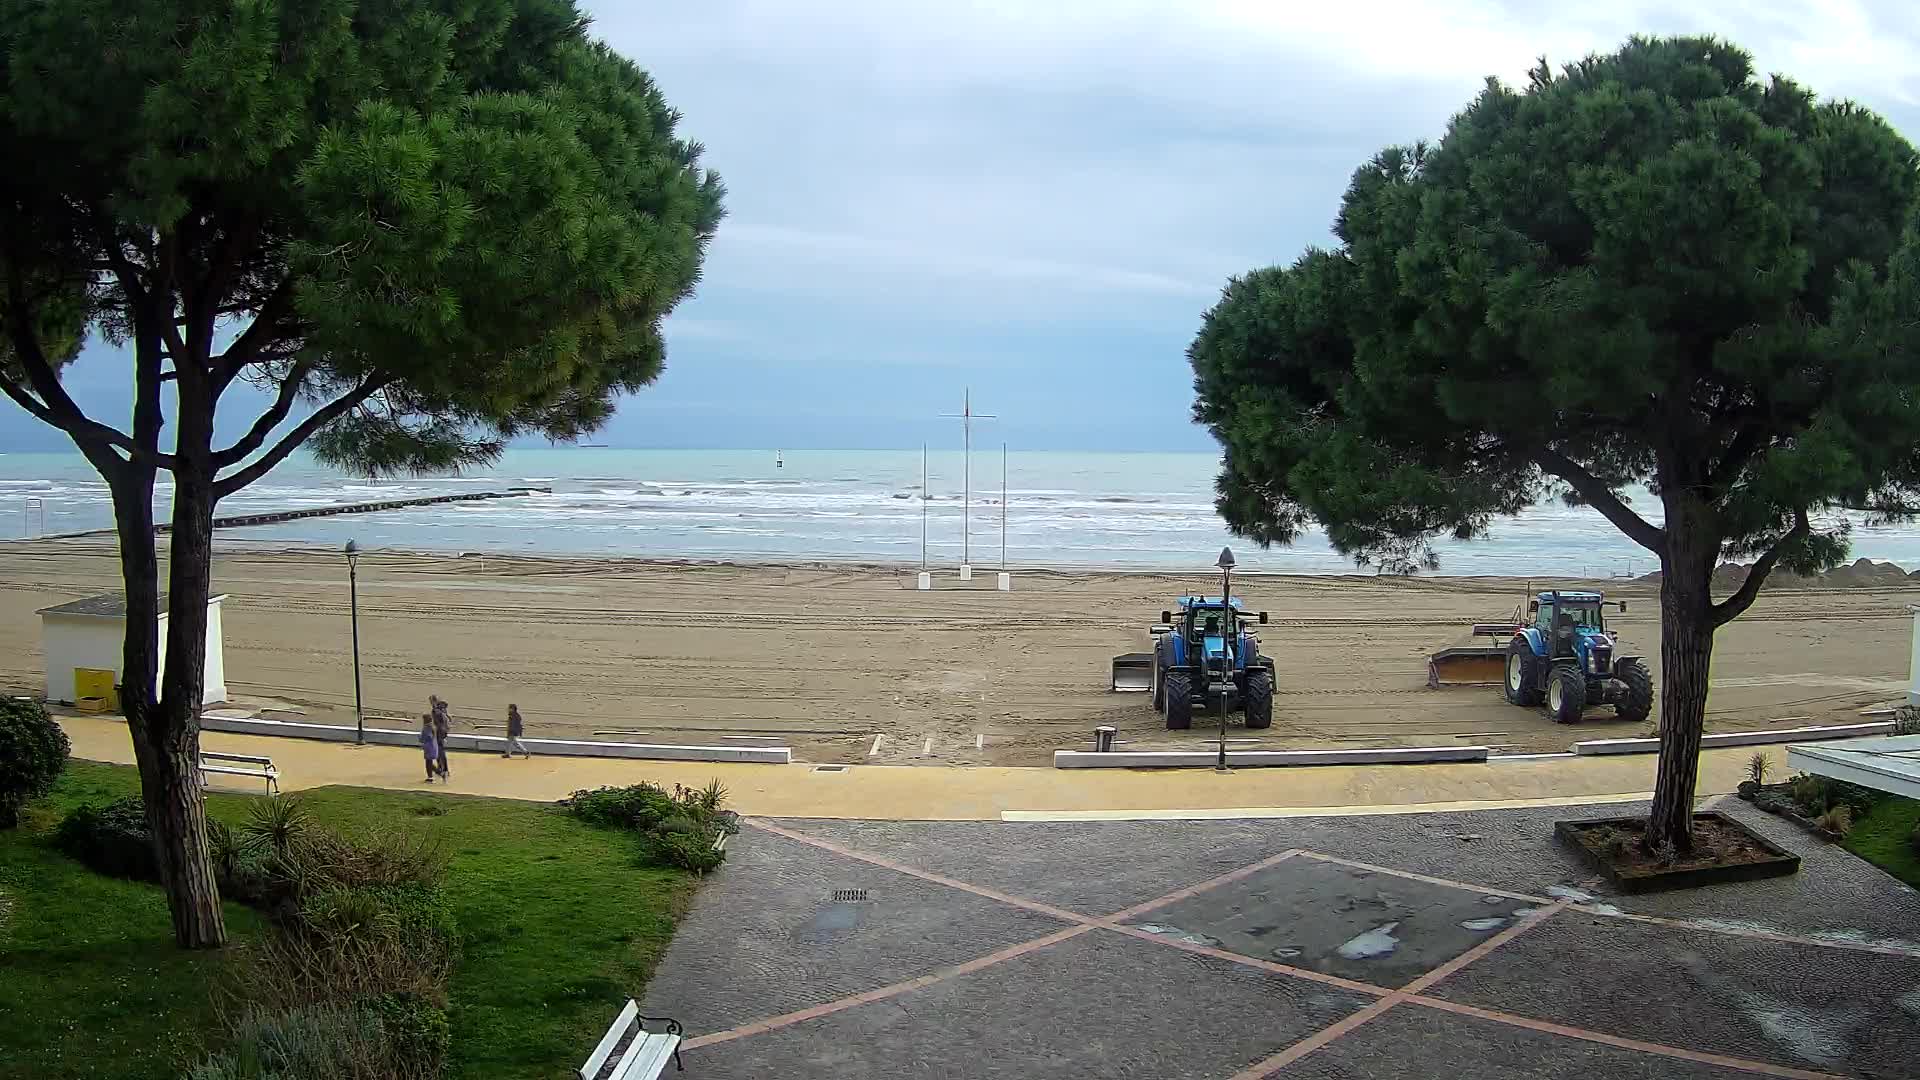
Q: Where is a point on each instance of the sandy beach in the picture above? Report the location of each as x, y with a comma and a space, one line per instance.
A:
851, 664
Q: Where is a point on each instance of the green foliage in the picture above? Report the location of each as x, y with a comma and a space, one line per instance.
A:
636, 806
311, 1042
1838, 819
542, 966
417, 1033
1653, 268
681, 829
113, 839
1815, 795
474, 206
1889, 837
1758, 766
33, 750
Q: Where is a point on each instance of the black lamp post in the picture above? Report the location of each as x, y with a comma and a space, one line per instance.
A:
1228, 645
353, 593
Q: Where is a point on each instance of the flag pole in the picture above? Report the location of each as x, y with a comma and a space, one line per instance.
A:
1003, 506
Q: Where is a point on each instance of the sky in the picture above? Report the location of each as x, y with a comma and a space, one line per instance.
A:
1037, 199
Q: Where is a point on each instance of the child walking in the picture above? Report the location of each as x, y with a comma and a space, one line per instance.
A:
516, 727
429, 745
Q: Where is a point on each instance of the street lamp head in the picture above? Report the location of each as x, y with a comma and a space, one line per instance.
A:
352, 549
1226, 559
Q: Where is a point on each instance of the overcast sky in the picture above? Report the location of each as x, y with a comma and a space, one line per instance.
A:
1038, 198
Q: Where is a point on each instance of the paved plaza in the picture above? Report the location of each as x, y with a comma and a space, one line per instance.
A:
1455, 945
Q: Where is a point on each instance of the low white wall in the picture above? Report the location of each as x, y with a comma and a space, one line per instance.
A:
1189, 759
769, 755
1739, 738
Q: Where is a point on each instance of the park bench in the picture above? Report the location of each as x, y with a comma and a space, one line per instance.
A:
259, 768
629, 1051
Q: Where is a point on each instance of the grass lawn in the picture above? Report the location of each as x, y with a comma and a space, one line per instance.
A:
559, 926
1883, 838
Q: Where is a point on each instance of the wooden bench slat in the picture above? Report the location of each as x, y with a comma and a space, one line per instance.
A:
628, 1017
648, 1056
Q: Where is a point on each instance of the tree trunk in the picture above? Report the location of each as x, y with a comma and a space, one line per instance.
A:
166, 743
1686, 654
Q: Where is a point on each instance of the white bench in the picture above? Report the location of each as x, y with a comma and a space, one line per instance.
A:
259, 768
629, 1051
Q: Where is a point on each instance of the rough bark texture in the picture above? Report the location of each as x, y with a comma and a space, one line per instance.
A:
1686, 654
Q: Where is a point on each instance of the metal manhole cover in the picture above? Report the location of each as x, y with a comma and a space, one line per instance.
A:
849, 896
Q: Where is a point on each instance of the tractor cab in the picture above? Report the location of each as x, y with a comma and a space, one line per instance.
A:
1568, 621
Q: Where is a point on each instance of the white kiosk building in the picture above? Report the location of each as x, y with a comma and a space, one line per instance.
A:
82, 642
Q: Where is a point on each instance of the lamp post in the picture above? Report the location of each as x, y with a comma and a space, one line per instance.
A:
1227, 645
353, 594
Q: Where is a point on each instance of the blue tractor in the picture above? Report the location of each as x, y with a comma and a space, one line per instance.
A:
1206, 654
1565, 657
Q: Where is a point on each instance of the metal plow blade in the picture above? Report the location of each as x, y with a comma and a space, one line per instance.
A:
1132, 673
1471, 665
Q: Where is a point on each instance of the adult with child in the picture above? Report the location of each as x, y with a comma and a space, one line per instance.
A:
442, 723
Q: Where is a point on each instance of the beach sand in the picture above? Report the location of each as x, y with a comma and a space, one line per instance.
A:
850, 664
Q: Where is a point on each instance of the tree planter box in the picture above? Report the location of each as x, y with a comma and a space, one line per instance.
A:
1763, 859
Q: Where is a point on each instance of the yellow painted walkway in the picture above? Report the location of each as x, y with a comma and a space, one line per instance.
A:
901, 792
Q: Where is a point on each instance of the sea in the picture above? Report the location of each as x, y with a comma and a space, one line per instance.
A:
1025, 509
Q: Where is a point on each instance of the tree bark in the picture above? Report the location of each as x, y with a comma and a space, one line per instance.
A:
1686, 655
166, 727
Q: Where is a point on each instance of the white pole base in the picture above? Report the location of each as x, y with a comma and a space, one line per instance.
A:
966, 572
1006, 582
925, 582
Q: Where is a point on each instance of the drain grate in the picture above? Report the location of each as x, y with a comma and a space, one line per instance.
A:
829, 768
849, 896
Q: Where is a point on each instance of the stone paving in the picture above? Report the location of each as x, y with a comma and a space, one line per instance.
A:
1466, 944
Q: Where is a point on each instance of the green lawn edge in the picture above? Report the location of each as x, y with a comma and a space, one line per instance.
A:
1885, 838
559, 926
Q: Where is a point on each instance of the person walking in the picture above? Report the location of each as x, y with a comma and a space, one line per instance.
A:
429, 745
442, 723
516, 727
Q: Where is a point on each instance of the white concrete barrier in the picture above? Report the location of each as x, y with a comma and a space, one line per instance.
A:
1006, 582
1190, 759
924, 582
1739, 738
769, 755
966, 572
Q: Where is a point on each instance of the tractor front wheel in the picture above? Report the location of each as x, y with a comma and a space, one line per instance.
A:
1179, 700
1567, 695
1259, 703
1638, 701
1523, 680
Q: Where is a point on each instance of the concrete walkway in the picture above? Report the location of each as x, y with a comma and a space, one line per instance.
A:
967, 794
1430, 945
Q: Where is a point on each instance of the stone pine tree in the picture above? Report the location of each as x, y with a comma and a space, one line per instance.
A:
420, 227
1650, 270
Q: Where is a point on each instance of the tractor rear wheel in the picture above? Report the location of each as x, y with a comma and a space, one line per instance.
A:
1523, 679
1259, 703
1159, 673
1179, 700
1567, 694
1639, 681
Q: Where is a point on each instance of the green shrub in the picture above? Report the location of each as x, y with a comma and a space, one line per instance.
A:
636, 806
1838, 819
689, 850
33, 751
1914, 840
679, 829
314, 1042
111, 839
417, 1034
